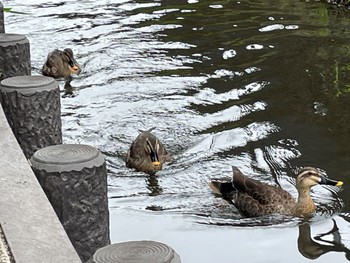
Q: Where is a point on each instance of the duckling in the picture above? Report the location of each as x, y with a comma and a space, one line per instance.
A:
60, 64
147, 153
253, 198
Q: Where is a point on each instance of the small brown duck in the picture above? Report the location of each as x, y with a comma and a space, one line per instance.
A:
253, 198
147, 153
60, 64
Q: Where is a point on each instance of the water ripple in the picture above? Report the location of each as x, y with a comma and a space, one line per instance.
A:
226, 83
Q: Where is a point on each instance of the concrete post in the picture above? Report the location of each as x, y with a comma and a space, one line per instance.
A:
2, 21
15, 56
136, 251
74, 178
33, 109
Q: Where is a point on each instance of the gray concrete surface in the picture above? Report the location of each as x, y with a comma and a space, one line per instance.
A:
29, 223
15, 55
74, 178
145, 251
2, 24
32, 107
5, 254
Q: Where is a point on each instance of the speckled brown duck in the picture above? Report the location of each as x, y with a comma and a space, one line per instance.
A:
60, 64
147, 153
253, 198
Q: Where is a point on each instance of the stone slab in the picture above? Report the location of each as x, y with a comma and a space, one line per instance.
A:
28, 221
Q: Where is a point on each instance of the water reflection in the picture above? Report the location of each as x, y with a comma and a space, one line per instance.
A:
314, 246
153, 185
246, 83
68, 89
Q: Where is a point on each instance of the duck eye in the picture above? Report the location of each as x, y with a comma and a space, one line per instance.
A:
310, 173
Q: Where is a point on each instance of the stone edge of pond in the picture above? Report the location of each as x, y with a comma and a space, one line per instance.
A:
5, 254
31, 229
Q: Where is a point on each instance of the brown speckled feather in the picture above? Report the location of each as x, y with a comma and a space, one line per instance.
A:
254, 198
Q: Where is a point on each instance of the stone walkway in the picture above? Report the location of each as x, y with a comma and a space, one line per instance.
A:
5, 256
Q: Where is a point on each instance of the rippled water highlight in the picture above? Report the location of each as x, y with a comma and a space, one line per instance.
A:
247, 83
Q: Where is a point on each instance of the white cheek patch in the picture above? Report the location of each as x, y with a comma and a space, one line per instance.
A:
319, 179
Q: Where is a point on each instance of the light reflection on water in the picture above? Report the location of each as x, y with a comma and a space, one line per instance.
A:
230, 83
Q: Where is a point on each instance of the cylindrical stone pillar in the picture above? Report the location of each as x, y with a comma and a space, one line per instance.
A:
136, 251
15, 55
2, 21
74, 178
33, 109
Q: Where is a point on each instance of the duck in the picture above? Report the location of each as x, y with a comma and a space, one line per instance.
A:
147, 153
254, 198
60, 64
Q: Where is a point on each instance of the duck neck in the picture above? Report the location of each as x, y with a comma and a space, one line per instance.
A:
305, 205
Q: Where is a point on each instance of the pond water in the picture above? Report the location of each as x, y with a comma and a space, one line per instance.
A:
261, 86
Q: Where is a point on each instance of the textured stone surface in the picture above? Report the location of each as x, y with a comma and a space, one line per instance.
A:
67, 157
33, 112
79, 197
27, 219
136, 251
5, 254
2, 21
15, 55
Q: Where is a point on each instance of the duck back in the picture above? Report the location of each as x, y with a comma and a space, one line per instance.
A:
254, 198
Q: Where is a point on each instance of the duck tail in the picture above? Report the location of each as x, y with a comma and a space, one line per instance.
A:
215, 187
225, 189
149, 130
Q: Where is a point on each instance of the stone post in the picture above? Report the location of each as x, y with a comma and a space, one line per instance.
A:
15, 55
74, 178
136, 251
2, 21
33, 109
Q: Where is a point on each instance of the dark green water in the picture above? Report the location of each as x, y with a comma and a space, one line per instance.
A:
257, 84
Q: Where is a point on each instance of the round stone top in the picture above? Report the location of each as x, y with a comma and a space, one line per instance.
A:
10, 39
28, 84
136, 251
67, 157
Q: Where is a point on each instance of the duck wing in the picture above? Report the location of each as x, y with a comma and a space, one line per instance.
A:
254, 198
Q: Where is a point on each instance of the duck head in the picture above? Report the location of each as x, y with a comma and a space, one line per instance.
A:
310, 176
68, 57
152, 152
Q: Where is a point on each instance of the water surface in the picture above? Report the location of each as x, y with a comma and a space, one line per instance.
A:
261, 86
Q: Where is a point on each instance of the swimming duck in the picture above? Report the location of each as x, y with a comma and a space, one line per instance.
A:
253, 198
60, 64
147, 153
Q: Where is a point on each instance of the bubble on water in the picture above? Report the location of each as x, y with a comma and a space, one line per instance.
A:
320, 108
229, 54
254, 46
271, 28
292, 27
216, 6
252, 70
